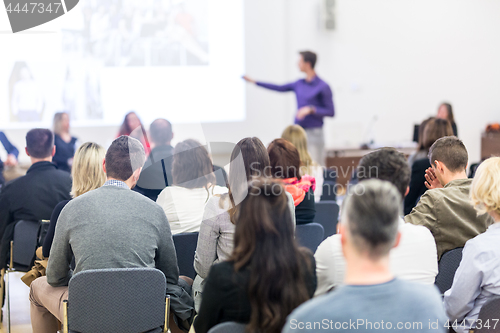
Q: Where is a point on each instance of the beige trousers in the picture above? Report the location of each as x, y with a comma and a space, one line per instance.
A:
46, 305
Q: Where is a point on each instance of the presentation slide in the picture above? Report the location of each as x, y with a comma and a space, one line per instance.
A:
175, 59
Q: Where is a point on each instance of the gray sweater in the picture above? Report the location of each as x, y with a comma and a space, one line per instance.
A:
111, 227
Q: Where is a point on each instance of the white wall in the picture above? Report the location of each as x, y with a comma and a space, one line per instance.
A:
396, 59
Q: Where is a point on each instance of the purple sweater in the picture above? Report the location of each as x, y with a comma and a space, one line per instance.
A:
316, 93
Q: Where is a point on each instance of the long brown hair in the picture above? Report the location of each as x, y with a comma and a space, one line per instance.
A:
284, 158
248, 159
449, 108
264, 244
191, 165
435, 129
125, 128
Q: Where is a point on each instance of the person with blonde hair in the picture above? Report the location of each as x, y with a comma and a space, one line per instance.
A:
477, 279
64, 142
87, 174
298, 137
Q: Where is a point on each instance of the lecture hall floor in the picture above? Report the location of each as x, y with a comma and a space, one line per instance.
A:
19, 306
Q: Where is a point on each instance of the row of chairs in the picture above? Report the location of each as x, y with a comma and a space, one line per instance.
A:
27, 236
309, 235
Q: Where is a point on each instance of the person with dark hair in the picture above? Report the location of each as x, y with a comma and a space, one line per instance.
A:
33, 197
314, 102
445, 111
157, 171
372, 298
215, 242
414, 259
434, 129
193, 184
267, 275
285, 165
110, 227
446, 210
12, 154
64, 142
132, 126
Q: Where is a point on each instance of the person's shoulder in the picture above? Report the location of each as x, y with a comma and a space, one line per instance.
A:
415, 230
417, 293
222, 272
324, 306
329, 245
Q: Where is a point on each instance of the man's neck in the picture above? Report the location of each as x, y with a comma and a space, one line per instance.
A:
128, 182
36, 160
363, 271
310, 75
456, 176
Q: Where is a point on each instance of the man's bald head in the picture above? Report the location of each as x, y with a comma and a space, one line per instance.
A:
161, 132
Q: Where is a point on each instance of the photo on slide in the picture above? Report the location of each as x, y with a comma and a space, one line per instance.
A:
131, 33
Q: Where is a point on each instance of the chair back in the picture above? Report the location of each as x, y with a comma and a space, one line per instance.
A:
228, 327
25, 242
185, 247
126, 300
488, 316
447, 267
329, 185
310, 235
327, 214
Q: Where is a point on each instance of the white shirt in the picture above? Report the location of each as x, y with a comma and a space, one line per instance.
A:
184, 207
414, 259
477, 280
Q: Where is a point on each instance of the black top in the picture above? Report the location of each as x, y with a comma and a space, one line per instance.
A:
306, 210
49, 237
64, 152
454, 127
225, 295
156, 173
417, 186
34, 196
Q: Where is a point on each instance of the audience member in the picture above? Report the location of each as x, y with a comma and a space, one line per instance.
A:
87, 174
132, 126
64, 142
215, 241
267, 275
446, 209
110, 227
476, 280
285, 165
445, 111
298, 137
422, 148
12, 154
157, 171
33, 196
434, 129
372, 299
415, 258
193, 184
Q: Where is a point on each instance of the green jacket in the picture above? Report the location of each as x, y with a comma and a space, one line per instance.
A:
449, 215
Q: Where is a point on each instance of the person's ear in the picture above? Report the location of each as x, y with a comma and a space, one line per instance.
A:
26, 150
398, 239
53, 151
407, 190
137, 174
343, 238
439, 166
104, 165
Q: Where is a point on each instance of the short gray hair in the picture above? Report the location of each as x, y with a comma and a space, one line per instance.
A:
371, 213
